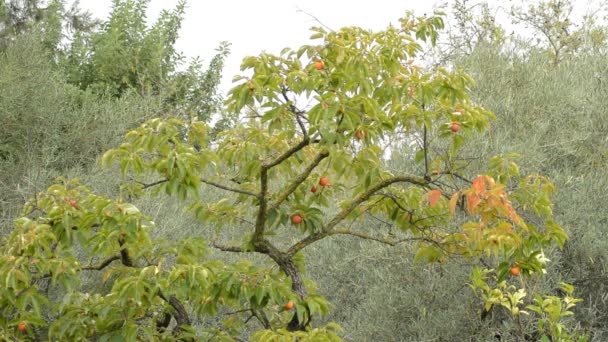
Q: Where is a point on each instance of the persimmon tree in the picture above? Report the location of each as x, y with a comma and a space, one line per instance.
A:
313, 118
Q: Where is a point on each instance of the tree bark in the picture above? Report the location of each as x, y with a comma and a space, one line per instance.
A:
297, 285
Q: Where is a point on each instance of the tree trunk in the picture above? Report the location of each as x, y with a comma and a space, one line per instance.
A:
297, 285
286, 264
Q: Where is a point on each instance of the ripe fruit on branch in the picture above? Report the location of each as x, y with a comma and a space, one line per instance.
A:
360, 134
515, 270
296, 219
290, 304
313, 189
73, 203
455, 127
319, 65
323, 181
22, 326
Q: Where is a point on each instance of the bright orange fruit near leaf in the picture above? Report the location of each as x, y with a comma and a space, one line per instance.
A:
323, 181
22, 326
319, 65
290, 304
296, 219
360, 134
455, 127
515, 270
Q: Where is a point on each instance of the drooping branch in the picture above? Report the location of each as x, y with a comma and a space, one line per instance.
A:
325, 231
149, 185
298, 180
227, 188
390, 242
102, 265
261, 316
234, 249
457, 175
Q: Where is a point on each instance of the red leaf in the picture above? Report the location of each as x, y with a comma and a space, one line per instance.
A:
434, 196
454, 201
472, 202
479, 184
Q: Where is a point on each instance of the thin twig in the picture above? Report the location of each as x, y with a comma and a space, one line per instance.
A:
315, 19
223, 187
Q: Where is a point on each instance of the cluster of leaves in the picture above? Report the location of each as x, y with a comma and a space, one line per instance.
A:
68, 232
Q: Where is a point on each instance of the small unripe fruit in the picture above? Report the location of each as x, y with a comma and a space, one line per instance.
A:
296, 219
455, 127
515, 270
313, 189
323, 181
22, 326
290, 304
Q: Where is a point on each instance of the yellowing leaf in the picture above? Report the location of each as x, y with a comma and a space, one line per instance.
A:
490, 181
454, 202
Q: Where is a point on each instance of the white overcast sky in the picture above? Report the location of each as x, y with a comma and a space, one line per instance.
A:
266, 25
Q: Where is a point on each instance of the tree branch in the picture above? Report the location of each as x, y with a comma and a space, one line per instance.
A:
101, 266
234, 249
261, 316
426, 155
295, 111
287, 154
180, 314
298, 180
326, 230
377, 239
223, 187
260, 223
125, 258
149, 185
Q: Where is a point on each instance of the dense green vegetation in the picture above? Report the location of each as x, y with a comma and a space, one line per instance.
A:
396, 268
